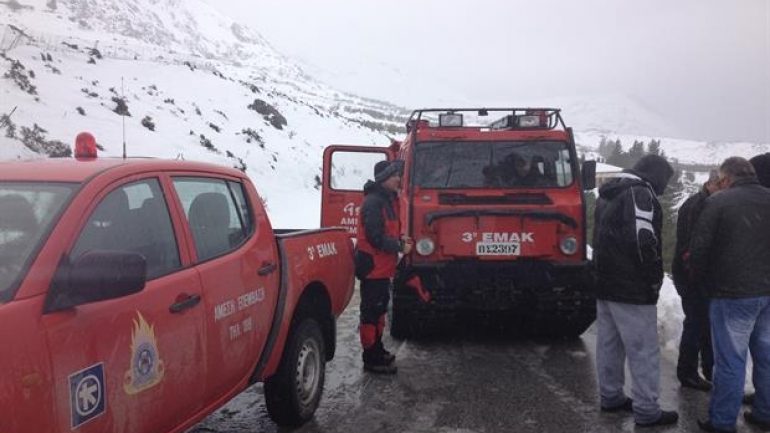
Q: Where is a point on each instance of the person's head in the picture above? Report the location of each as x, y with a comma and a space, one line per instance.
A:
388, 174
734, 169
761, 165
712, 184
521, 165
655, 170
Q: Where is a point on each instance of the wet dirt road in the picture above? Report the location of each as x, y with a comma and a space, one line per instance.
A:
461, 385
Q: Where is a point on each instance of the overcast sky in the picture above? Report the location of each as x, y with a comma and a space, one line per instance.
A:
703, 64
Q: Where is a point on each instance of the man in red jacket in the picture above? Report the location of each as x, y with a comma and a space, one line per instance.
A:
379, 244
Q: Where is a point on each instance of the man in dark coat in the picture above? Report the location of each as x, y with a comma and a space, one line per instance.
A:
629, 266
377, 250
696, 338
761, 165
729, 249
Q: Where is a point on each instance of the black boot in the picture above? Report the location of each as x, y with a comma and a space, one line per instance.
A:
706, 425
626, 406
666, 418
752, 419
375, 363
695, 382
387, 357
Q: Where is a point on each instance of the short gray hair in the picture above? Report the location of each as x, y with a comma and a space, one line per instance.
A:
737, 168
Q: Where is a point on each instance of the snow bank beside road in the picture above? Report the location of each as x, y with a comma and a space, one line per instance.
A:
670, 316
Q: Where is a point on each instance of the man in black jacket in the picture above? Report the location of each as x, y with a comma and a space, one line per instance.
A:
730, 249
761, 165
696, 338
376, 256
629, 266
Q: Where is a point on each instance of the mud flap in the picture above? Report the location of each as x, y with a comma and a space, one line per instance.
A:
415, 283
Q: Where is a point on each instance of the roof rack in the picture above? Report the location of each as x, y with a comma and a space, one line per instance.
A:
512, 118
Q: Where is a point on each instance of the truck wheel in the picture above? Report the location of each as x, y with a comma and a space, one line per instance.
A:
293, 393
403, 323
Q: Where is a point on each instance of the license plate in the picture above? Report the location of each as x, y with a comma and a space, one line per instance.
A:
498, 249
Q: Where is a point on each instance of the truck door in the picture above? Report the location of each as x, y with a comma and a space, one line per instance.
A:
237, 259
345, 171
131, 364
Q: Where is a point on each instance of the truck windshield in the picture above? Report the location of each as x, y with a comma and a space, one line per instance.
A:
26, 213
492, 164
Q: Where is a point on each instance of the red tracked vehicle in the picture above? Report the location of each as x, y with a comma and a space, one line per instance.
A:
497, 212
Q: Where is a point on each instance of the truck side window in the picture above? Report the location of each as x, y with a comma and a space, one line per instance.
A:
133, 217
244, 213
351, 170
217, 222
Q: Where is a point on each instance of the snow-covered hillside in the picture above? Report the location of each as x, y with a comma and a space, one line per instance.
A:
194, 84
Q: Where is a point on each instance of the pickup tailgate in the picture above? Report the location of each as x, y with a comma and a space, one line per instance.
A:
317, 256
310, 260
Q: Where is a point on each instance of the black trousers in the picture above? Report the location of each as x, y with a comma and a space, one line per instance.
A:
375, 295
696, 338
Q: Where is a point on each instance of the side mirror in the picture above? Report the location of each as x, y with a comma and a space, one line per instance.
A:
588, 171
96, 276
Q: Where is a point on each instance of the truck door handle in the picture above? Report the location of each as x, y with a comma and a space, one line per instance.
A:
184, 302
267, 268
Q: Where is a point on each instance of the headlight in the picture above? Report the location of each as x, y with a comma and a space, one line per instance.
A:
568, 245
425, 247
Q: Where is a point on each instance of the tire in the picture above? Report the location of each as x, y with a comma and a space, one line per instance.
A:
403, 323
293, 393
400, 324
410, 317
561, 328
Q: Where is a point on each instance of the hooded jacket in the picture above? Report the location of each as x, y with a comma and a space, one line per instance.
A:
627, 229
378, 233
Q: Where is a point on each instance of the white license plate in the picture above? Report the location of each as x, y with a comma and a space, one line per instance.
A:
498, 249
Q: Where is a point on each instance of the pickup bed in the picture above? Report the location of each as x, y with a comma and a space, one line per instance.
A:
139, 295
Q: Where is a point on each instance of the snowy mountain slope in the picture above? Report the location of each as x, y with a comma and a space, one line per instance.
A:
682, 150
612, 113
215, 90
266, 117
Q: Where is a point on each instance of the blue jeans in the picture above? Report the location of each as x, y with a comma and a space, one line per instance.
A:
738, 325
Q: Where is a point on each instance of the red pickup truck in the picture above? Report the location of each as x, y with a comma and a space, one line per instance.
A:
139, 295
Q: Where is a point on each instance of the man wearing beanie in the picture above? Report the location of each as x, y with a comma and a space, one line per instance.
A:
376, 258
729, 249
627, 257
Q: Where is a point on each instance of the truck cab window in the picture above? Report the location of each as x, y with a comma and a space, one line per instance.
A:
135, 218
492, 164
217, 222
351, 170
26, 213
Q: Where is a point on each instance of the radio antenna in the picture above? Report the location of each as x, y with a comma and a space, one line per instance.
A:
123, 95
5, 120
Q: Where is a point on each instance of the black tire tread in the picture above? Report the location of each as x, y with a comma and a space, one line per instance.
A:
280, 393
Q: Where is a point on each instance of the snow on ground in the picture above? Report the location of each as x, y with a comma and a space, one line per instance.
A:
670, 316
